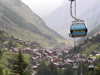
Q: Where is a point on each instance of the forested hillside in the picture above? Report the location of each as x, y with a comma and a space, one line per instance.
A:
19, 20
7, 56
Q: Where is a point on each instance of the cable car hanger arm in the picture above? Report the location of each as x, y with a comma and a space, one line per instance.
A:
71, 11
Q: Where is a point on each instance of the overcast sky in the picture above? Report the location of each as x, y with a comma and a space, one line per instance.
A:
43, 7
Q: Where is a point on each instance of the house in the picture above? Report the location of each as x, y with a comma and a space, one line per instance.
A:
37, 55
33, 59
5, 42
5, 49
95, 53
81, 56
50, 53
70, 61
27, 50
27, 43
92, 59
50, 59
55, 59
84, 47
11, 49
61, 65
35, 44
34, 67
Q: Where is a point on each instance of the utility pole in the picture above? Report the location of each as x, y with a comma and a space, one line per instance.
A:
81, 68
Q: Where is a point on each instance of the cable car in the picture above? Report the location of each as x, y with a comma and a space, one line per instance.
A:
91, 68
75, 68
78, 29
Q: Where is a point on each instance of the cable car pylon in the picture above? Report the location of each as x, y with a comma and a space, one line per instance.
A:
78, 27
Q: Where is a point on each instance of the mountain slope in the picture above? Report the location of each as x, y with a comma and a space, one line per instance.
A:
90, 34
60, 20
18, 20
88, 45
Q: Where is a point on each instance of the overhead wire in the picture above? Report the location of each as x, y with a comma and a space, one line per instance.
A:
87, 17
75, 16
88, 11
96, 21
93, 17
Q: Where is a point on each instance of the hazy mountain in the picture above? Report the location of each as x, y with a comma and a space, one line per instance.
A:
60, 20
18, 20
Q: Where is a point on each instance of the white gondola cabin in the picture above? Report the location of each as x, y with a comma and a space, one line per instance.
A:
91, 68
75, 68
78, 29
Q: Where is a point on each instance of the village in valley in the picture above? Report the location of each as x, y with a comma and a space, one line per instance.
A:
58, 55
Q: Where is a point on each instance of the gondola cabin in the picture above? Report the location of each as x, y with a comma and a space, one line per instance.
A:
78, 29
91, 68
75, 68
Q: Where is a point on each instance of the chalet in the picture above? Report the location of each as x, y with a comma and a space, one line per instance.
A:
50, 59
35, 44
37, 54
55, 59
84, 47
16, 39
33, 59
70, 61
11, 49
61, 65
5, 49
20, 41
57, 64
50, 53
16, 50
92, 59
27, 50
95, 53
34, 67
27, 43
55, 53
5, 42
79, 56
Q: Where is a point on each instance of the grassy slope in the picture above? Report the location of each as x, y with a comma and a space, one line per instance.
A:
18, 20
4, 62
7, 58
94, 47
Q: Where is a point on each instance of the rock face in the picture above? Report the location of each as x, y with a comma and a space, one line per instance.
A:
19, 20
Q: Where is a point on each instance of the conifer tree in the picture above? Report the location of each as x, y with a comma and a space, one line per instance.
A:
1, 71
6, 72
43, 69
19, 65
53, 69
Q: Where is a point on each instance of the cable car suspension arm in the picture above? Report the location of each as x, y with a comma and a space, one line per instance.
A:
71, 12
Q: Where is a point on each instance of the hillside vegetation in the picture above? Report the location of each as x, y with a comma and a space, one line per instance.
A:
88, 46
7, 57
18, 20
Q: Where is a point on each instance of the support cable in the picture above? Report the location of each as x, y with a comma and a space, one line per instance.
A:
87, 17
94, 31
75, 16
93, 16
